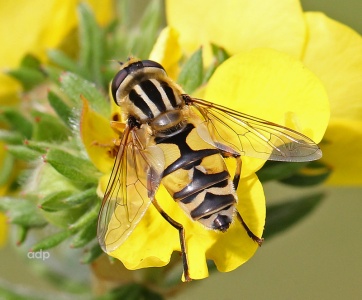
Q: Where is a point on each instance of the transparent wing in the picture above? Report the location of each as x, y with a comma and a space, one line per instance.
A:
133, 183
233, 131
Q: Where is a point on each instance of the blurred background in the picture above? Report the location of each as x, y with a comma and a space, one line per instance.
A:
319, 258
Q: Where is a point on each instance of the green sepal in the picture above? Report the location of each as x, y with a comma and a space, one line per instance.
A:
88, 217
85, 235
282, 216
74, 168
191, 75
74, 86
11, 137
313, 174
219, 56
23, 152
18, 122
49, 128
276, 170
51, 241
22, 212
91, 254
61, 108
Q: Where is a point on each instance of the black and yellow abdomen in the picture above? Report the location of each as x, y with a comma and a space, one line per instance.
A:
197, 178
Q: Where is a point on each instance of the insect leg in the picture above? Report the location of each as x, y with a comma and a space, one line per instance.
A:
236, 180
255, 238
181, 231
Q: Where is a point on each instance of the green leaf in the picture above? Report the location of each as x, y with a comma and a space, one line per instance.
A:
149, 28
18, 122
22, 233
23, 152
191, 75
11, 137
54, 73
51, 241
67, 199
63, 61
61, 108
28, 78
85, 235
11, 292
81, 197
74, 86
282, 216
88, 217
6, 168
74, 168
29, 73
132, 291
55, 201
49, 128
276, 170
22, 212
92, 254
313, 174
30, 61
91, 45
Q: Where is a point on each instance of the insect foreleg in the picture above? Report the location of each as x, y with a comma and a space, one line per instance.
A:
181, 231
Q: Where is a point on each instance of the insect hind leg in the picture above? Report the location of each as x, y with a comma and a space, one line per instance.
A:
236, 179
181, 231
255, 238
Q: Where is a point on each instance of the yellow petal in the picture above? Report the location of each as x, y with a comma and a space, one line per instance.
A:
273, 86
97, 137
153, 240
36, 26
238, 25
167, 51
334, 54
342, 150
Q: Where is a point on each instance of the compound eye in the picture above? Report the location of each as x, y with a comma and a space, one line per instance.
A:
150, 63
116, 82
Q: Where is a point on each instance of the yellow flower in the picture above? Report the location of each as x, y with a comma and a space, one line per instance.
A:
279, 84
34, 27
330, 49
334, 54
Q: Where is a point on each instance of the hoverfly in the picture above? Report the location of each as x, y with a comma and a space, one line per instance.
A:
170, 137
